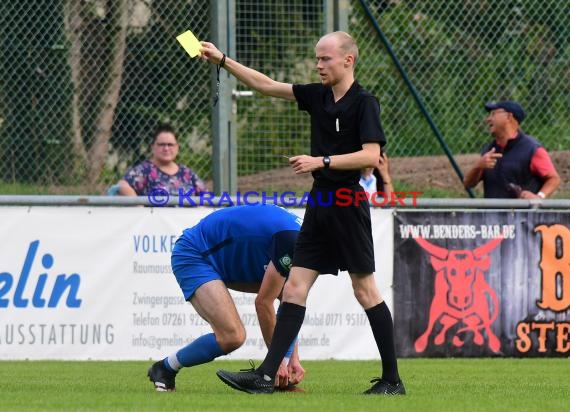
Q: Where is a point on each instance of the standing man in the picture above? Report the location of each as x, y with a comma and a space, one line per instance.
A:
346, 136
514, 165
244, 248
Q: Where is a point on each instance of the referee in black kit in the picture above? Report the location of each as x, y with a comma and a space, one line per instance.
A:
346, 136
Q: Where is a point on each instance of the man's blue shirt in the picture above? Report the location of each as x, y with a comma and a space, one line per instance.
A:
239, 241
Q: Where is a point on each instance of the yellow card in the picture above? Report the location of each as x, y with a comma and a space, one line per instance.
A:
190, 43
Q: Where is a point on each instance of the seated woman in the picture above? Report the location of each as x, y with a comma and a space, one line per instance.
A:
161, 170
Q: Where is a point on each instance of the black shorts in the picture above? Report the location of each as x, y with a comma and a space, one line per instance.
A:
336, 233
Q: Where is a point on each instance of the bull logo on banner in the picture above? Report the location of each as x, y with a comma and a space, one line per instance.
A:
460, 295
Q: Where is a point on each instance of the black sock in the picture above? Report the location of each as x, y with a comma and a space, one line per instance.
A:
383, 331
289, 321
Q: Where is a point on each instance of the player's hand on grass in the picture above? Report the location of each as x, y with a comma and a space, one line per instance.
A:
282, 377
296, 371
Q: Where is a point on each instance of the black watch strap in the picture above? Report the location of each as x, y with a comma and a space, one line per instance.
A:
327, 161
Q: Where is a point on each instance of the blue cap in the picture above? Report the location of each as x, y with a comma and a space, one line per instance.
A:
508, 106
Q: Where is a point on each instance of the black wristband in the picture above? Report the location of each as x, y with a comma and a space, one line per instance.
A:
223, 61
327, 161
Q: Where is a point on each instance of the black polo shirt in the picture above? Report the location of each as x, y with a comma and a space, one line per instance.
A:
339, 128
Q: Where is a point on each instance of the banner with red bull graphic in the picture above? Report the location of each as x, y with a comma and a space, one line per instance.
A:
482, 283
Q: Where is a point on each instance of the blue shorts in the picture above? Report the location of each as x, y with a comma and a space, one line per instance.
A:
190, 267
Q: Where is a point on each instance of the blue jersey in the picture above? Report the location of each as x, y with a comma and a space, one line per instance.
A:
240, 241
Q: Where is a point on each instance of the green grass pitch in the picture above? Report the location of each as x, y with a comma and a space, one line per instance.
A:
443, 385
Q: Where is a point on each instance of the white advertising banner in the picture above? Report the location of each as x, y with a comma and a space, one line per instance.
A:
96, 283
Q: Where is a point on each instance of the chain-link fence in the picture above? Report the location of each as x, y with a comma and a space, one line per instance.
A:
459, 55
84, 82
278, 39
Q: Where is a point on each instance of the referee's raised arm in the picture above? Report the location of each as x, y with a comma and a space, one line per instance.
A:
248, 76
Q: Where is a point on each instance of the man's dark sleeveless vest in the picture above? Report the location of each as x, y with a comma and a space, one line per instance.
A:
512, 169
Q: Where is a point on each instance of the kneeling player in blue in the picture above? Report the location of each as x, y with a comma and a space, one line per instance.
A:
243, 248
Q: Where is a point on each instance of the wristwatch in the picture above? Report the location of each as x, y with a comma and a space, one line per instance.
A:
541, 195
327, 161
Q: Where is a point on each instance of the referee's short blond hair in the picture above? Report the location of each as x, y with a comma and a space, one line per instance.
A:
346, 43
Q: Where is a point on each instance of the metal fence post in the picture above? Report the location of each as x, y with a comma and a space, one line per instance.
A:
224, 160
341, 12
336, 15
